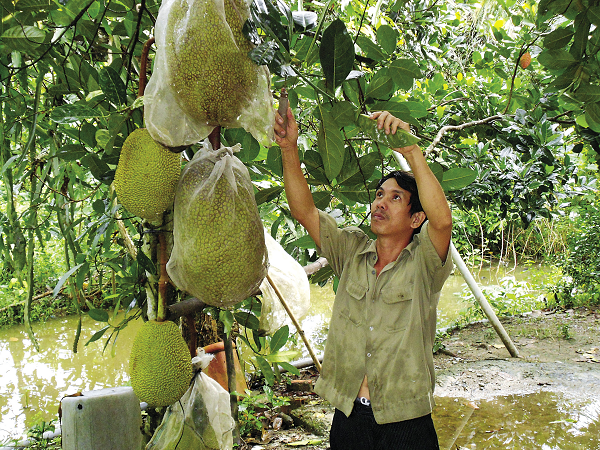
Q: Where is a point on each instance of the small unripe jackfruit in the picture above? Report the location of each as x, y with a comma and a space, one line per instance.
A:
219, 253
210, 71
160, 365
146, 176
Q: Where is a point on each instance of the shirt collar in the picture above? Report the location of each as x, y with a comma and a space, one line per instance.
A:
410, 248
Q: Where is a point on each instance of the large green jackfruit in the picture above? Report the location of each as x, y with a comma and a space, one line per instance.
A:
146, 176
210, 71
160, 365
219, 253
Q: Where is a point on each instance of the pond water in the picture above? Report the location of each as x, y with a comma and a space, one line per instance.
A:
32, 383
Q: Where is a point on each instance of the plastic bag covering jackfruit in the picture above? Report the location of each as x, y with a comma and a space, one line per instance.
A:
291, 282
203, 76
219, 253
201, 420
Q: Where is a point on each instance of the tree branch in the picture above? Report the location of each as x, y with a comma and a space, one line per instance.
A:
447, 128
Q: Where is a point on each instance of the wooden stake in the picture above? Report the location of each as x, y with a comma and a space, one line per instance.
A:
296, 324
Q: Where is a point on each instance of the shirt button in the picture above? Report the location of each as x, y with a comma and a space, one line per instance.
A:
369, 355
373, 272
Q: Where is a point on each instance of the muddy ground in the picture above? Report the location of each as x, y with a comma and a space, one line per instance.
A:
559, 351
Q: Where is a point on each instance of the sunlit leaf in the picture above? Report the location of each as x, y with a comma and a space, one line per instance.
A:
331, 145
458, 178
279, 338
337, 57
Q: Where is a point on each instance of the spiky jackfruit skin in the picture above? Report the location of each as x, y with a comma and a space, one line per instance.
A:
146, 176
160, 366
219, 253
210, 70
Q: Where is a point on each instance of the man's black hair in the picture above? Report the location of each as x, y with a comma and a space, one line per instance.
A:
406, 181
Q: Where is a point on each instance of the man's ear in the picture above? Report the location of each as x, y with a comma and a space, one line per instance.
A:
417, 219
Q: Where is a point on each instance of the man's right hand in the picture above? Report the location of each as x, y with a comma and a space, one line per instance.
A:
287, 139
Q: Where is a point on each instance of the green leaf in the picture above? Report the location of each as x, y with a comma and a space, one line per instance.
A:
588, 93
403, 72
279, 338
265, 369
98, 168
592, 116
304, 242
268, 194
146, 263
370, 49
556, 59
343, 113
387, 38
250, 146
64, 278
291, 369
285, 356
356, 193
381, 85
113, 87
337, 56
71, 152
398, 140
331, 145
97, 335
274, 160
226, 318
23, 38
72, 113
247, 320
305, 442
559, 38
593, 13
321, 199
99, 315
458, 178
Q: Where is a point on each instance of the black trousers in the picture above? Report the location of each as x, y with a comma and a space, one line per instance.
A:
361, 432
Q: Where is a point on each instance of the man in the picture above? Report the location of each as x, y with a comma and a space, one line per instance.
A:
378, 364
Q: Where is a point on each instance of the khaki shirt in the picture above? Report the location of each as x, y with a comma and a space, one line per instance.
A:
382, 327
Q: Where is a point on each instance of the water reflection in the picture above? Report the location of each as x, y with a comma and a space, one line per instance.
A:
32, 383
544, 420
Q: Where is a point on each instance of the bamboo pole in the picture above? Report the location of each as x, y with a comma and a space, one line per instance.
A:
296, 324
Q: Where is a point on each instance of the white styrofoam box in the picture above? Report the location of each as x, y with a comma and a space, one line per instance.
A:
104, 419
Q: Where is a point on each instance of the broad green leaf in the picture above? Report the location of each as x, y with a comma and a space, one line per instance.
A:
279, 338
331, 145
588, 93
304, 242
98, 168
356, 193
437, 170
403, 72
265, 369
381, 85
343, 113
113, 87
291, 369
63, 279
593, 14
559, 38
371, 49
97, 335
387, 38
283, 356
72, 113
250, 146
398, 140
592, 116
321, 199
306, 20
23, 38
274, 160
580, 39
268, 194
99, 315
556, 59
458, 178
146, 263
102, 138
337, 55
71, 152
247, 320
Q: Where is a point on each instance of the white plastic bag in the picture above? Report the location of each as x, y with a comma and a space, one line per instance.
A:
219, 253
203, 77
201, 420
292, 283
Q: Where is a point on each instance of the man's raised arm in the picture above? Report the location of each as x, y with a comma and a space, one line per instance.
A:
298, 193
431, 193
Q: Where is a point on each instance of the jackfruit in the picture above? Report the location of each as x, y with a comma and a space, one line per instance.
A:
160, 365
146, 176
219, 253
212, 75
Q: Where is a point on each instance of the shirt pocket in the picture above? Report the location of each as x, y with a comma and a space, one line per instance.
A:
353, 308
397, 309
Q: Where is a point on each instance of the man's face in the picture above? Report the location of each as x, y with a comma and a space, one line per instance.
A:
390, 211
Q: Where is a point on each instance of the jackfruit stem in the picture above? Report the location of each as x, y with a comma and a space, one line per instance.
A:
161, 313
